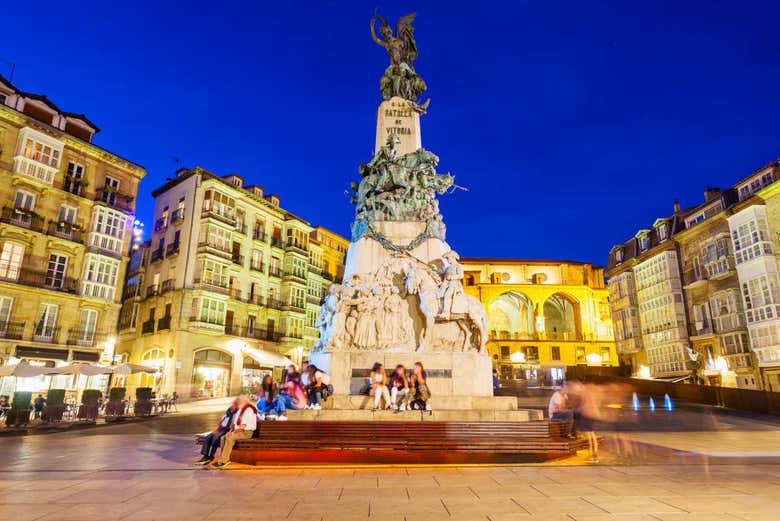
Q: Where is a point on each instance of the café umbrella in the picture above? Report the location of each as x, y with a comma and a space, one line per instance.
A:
128, 369
24, 370
81, 369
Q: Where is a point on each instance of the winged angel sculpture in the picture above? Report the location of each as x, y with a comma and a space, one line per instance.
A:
399, 78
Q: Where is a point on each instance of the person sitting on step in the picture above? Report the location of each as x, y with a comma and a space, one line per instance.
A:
378, 381
319, 386
212, 442
400, 389
243, 427
267, 404
420, 392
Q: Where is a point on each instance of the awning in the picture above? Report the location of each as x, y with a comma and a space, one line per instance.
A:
24, 370
266, 358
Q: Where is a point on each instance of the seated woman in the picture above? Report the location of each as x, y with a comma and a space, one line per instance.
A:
400, 389
378, 382
319, 386
291, 396
420, 392
268, 404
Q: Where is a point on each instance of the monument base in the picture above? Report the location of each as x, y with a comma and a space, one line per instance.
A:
454, 379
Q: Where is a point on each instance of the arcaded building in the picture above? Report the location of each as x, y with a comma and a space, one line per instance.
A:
544, 315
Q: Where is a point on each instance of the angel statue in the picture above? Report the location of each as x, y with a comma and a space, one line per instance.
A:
399, 78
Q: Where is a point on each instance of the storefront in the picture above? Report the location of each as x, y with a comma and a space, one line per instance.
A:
252, 375
153, 358
211, 374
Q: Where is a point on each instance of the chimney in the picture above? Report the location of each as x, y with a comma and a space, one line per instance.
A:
676, 206
710, 193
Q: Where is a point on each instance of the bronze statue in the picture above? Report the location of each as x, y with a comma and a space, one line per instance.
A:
399, 78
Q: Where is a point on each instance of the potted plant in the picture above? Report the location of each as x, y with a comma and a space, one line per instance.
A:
19, 415
116, 402
143, 401
88, 410
55, 405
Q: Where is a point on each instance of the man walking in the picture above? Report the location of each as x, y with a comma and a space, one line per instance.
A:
243, 426
213, 440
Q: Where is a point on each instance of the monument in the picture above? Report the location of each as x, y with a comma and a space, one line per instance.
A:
402, 298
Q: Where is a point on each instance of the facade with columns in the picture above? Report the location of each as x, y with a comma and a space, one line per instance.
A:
544, 315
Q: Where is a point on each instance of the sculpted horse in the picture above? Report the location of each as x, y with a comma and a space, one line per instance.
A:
467, 311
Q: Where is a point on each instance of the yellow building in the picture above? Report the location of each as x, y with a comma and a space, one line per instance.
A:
228, 288
544, 315
65, 230
334, 249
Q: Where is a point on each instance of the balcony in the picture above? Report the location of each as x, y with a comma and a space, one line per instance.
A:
700, 330
214, 249
212, 285
327, 276
313, 268
115, 199
237, 258
12, 330
240, 228
152, 291
35, 169
258, 235
628, 346
160, 225
292, 335
22, 218
297, 247
294, 277
255, 299
257, 266
46, 334
739, 361
85, 338
234, 293
131, 291
294, 308
39, 279
198, 321
177, 216
221, 214
104, 244
147, 327
166, 286
276, 242
157, 255
172, 249
313, 299
275, 271
164, 324
693, 278
234, 330
65, 230
274, 304
729, 322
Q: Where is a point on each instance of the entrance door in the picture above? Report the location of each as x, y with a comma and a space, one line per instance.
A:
772, 381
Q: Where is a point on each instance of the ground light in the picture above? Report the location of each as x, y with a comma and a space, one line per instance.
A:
668, 403
635, 402
651, 404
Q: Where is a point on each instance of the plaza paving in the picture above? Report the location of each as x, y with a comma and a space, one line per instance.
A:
690, 465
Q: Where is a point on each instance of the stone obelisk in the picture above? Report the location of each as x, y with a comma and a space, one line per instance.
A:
402, 299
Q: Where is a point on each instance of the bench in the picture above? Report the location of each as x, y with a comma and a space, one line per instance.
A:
321, 443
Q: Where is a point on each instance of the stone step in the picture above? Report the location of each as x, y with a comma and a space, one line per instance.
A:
484, 415
438, 402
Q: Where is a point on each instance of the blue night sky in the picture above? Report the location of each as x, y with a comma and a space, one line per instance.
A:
573, 123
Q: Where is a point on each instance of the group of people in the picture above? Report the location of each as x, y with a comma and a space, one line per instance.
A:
399, 391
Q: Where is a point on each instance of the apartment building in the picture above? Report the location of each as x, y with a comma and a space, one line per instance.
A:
227, 289
65, 230
544, 315
722, 327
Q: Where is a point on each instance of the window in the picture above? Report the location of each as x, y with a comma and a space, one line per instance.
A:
219, 203
643, 243
250, 325
761, 298
110, 190
87, 325
215, 273
41, 152
619, 255
55, 272
108, 229
45, 326
580, 354
100, 277
74, 178
504, 352
217, 238
5, 314
751, 240
605, 355
212, 311
555, 353
11, 260
24, 200
67, 214
663, 231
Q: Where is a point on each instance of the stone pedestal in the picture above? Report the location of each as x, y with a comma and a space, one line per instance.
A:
449, 374
398, 117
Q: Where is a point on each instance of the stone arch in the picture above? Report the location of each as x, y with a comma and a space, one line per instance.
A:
211, 372
512, 315
562, 317
152, 357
